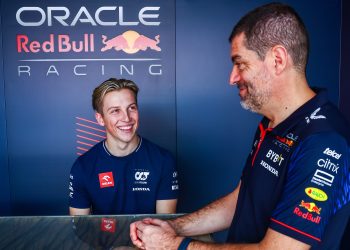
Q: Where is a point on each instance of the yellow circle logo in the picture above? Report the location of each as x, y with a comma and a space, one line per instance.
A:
316, 194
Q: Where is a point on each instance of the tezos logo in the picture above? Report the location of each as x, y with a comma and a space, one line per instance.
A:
141, 176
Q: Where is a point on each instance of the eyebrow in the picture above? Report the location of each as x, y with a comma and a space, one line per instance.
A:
113, 107
235, 58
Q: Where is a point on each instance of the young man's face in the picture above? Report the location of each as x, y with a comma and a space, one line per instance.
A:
120, 116
250, 74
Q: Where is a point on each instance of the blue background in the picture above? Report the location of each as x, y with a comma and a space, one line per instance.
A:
191, 110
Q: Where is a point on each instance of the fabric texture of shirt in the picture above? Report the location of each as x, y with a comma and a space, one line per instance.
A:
123, 185
296, 179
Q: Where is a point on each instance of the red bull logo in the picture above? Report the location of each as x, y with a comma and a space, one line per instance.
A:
310, 206
286, 141
131, 42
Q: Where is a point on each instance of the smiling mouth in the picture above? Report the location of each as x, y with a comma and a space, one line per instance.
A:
242, 90
125, 128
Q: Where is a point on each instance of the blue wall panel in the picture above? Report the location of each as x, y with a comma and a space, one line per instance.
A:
5, 201
344, 100
214, 132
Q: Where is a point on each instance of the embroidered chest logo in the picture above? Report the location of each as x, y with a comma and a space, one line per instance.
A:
106, 179
315, 116
141, 176
286, 143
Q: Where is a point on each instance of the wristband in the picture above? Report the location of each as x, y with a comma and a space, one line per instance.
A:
184, 243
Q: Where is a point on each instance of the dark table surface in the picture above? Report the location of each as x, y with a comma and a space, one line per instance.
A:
70, 232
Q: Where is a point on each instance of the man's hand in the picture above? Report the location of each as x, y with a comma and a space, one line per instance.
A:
154, 234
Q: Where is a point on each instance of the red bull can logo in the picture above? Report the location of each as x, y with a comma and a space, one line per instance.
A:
131, 42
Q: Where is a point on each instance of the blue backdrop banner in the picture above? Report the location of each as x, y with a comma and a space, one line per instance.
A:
55, 53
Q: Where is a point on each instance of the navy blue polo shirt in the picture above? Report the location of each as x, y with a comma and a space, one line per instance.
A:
123, 185
296, 179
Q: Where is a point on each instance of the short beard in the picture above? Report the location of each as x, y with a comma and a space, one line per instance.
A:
254, 102
255, 99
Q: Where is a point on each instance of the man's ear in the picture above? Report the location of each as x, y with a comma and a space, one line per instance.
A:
99, 119
280, 58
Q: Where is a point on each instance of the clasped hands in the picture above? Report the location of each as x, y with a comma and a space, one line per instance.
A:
154, 234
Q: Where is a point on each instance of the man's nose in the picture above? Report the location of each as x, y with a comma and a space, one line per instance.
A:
126, 116
235, 76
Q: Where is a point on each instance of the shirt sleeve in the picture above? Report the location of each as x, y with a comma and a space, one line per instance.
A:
317, 187
168, 186
78, 196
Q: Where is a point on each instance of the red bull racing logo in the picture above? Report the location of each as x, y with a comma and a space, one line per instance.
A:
286, 141
311, 207
131, 42
88, 52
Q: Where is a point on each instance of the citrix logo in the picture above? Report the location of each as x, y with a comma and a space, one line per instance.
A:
327, 164
141, 176
332, 153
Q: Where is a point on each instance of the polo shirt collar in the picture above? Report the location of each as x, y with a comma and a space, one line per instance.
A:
300, 114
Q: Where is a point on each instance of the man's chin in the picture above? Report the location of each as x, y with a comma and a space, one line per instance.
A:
246, 106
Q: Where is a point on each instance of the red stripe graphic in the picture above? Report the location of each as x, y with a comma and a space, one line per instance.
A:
84, 149
296, 230
86, 126
86, 120
87, 138
84, 143
88, 133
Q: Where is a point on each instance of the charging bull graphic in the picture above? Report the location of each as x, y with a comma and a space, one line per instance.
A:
131, 42
311, 207
118, 43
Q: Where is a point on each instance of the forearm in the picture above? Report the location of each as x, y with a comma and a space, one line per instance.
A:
198, 245
273, 240
213, 217
166, 206
79, 211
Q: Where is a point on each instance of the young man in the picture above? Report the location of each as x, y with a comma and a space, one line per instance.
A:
124, 174
294, 191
